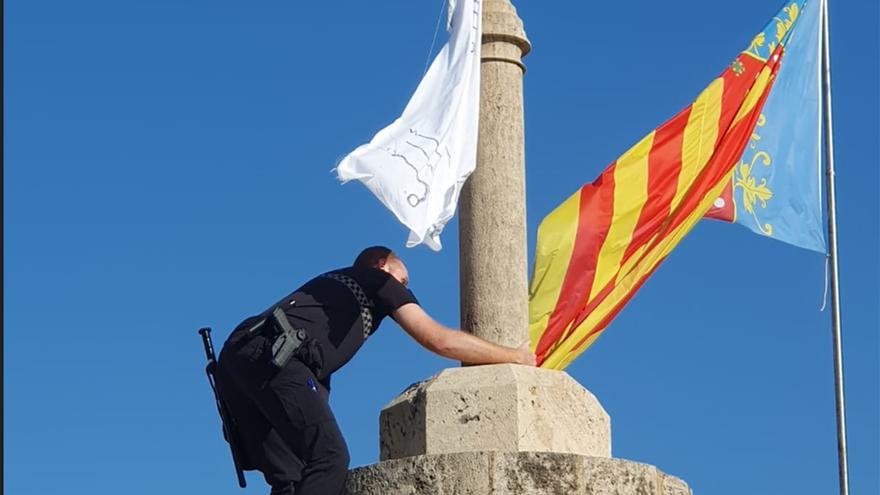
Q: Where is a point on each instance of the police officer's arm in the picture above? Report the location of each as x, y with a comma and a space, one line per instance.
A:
454, 344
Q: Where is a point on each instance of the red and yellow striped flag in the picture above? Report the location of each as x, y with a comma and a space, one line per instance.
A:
597, 248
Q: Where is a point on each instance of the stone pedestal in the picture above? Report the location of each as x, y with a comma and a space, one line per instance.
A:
502, 429
502, 407
511, 473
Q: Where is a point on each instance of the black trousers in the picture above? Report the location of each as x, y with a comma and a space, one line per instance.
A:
285, 423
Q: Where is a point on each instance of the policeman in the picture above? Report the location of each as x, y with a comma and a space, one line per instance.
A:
286, 427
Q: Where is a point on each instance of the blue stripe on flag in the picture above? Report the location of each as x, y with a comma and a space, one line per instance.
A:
777, 184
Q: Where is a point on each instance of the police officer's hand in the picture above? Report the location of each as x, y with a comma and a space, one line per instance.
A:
526, 356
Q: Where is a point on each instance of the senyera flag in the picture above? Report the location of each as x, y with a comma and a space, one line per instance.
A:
598, 247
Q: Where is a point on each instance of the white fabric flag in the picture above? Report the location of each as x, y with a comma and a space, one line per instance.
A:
417, 165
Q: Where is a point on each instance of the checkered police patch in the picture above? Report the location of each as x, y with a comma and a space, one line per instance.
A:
363, 300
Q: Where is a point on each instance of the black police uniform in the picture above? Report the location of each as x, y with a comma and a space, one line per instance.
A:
285, 423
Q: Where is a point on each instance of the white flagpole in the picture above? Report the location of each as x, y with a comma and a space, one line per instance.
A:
832, 254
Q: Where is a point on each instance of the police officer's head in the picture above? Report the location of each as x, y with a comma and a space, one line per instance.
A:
384, 259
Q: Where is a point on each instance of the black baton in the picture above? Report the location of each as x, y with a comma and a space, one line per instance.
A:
229, 431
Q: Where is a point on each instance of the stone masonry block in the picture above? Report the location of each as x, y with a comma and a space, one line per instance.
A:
511, 473
506, 408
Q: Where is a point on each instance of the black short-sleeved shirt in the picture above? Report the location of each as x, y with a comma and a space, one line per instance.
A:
330, 313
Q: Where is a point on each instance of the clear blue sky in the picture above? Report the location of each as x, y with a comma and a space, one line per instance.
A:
167, 166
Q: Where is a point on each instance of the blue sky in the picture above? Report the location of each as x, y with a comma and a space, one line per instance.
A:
167, 166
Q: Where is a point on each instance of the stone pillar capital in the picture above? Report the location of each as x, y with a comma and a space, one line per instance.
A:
504, 38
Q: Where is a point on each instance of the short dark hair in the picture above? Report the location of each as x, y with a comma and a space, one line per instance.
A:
370, 257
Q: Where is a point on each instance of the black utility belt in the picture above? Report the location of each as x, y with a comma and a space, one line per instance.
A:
285, 339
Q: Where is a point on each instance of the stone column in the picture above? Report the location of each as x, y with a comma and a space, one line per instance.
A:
502, 429
492, 214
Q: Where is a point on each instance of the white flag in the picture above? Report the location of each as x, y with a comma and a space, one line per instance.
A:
417, 165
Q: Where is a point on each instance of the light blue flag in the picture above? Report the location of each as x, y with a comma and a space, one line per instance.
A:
777, 184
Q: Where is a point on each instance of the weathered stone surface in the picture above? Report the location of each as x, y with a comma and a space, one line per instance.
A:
511, 473
492, 206
459, 474
502, 407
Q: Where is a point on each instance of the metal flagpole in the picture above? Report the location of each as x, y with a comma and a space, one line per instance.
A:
832, 254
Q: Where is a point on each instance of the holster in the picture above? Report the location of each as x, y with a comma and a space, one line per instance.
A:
287, 340
281, 339
271, 341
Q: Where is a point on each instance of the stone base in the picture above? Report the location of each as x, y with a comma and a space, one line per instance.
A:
511, 473
500, 407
